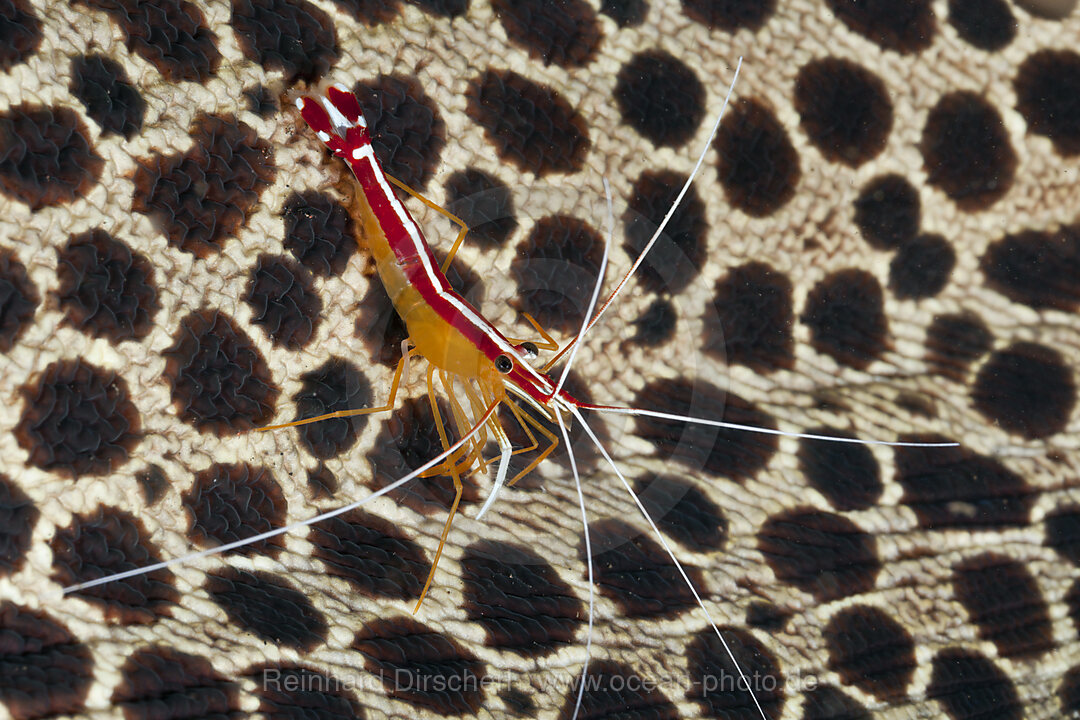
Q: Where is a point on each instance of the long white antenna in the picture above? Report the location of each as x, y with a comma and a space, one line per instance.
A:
588, 561
640, 412
663, 224
671, 554
596, 289
294, 526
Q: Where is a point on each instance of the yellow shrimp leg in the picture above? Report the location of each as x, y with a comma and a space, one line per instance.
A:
351, 413
549, 342
439, 209
553, 442
458, 489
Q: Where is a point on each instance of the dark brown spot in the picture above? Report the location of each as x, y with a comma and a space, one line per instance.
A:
201, 198
336, 386
169, 34
1038, 268
18, 515
759, 167
78, 420
406, 130
1003, 599
565, 33
1048, 96
111, 100
845, 473
820, 553
871, 651
530, 125
517, 597
483, 203
905, 26
966, 151
679, 254
291, 36
1063, 532
660, 97
971, 687
734, 454
227, 503
753, 320
104, 543
845, 110
723, 688
887, 212
261, 101
987, 24
18, 299
953, 342
518, 702
625, 13
300, 693
656, 325
268, 607
322, 483
1069, 692
683, 513
220, 382
957, 488
45, 155
846, 317
161, 683
830, 703
153, 482
20, 33
921, 267
44, 670
730, 15
319, 232
635, 572
105, 289
283, 301
443, 8
614, 690
418, 665
768, 617
373, 555
1027, 389
555, 269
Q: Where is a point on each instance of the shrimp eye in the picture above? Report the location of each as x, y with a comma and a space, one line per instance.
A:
530, 350
504, 364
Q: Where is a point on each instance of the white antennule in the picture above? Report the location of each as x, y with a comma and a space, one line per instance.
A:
760, 430
183, 559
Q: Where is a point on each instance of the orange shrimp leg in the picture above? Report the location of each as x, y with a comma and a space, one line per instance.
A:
351, 413
454, 461
458, 489
439, 209
549, 342
553, 442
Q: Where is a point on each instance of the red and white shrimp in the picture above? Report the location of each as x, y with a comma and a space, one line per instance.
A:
471, 356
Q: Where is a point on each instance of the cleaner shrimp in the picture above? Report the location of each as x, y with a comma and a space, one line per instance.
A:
467, 353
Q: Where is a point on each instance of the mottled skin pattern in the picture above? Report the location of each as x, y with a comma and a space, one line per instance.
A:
879, 246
